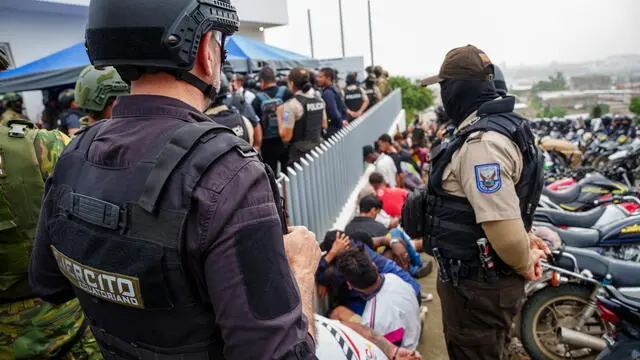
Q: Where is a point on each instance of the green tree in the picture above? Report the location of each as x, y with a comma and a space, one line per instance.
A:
635, 105
414, 97
599, 110
551, 112
554, 83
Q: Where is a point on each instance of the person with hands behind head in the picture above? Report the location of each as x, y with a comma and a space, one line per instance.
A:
328, 276
484, 186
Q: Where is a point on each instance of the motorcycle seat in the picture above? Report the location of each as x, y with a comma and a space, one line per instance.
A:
566, 196
574, 219
623, 273
575, 237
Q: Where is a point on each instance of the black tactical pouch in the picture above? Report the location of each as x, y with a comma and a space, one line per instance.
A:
413, 214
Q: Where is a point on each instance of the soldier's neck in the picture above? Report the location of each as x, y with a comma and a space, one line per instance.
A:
163, 84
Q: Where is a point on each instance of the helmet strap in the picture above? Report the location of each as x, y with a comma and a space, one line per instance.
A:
207, 89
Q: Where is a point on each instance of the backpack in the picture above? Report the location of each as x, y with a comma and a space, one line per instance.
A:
269, 107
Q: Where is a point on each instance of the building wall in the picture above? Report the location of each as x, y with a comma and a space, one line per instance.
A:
37, 28
33, 35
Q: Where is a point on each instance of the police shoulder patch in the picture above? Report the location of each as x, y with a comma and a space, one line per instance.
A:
488, 178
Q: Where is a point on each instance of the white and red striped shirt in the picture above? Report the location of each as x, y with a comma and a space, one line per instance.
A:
394, 312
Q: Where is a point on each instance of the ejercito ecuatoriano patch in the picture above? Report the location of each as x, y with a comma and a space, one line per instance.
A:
117, 288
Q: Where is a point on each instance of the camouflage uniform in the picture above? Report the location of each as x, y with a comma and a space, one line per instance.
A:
32, 328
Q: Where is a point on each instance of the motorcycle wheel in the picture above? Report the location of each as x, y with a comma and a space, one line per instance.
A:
551, 308
600, 162
559, 160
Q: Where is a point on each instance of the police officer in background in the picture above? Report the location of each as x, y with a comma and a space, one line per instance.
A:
371, 89
163, 223
230, 118
484, 184
355, 98
69, 118
302, 118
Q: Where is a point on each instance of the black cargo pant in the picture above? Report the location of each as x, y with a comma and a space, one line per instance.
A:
477, 316
274, 152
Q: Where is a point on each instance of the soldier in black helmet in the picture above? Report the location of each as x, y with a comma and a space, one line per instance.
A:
164, 224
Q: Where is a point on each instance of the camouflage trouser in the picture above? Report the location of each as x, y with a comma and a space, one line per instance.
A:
35, 329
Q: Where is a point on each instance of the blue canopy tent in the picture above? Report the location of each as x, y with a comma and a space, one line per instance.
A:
64, 66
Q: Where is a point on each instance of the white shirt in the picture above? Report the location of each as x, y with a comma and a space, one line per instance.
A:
394, 312
335, 341
387, 167
248, 95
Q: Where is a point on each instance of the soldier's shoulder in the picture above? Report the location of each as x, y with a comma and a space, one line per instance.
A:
52, 138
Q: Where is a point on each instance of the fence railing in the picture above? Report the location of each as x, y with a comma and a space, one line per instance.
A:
317, 187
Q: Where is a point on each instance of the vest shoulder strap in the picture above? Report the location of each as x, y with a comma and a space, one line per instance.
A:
181, 144
504, 125
281, 91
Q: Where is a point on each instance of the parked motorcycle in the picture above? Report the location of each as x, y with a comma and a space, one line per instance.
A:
559, 319
609, 230
586, 194
624, 314
562, 152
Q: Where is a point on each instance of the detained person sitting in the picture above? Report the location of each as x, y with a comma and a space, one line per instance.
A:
330, 281
391, 308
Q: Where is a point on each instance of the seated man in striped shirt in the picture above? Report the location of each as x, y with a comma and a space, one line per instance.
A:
391, 309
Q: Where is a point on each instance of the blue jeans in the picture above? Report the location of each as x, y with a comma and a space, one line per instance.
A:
416, 261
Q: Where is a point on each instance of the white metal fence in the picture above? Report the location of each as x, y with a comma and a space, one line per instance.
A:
316, 188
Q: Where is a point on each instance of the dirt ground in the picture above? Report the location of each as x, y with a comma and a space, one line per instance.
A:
432, 345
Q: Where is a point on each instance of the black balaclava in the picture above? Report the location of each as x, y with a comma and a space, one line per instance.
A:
462, 97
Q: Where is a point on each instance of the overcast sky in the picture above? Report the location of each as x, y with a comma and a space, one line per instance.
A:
411, 37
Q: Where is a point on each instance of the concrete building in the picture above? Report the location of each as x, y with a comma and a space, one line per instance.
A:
32, 29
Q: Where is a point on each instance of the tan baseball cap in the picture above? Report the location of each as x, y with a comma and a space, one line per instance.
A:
463, 63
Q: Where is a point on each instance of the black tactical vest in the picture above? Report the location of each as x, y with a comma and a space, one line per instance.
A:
450, 222
371, 94
309, 127
234, 121
117, 235
353, 98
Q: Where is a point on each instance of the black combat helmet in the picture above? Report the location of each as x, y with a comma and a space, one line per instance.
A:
138, 36
66, 97
499, 82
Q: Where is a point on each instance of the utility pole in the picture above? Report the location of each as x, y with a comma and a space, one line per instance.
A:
341, 27
310, 33
370, 34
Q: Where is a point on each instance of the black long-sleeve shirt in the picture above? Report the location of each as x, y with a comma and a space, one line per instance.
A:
232, 197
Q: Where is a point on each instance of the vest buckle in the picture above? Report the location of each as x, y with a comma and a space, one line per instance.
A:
17, 130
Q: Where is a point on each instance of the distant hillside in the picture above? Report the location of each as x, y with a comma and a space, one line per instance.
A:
618, 66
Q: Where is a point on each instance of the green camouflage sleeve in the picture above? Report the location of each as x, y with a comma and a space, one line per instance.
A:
49, 146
